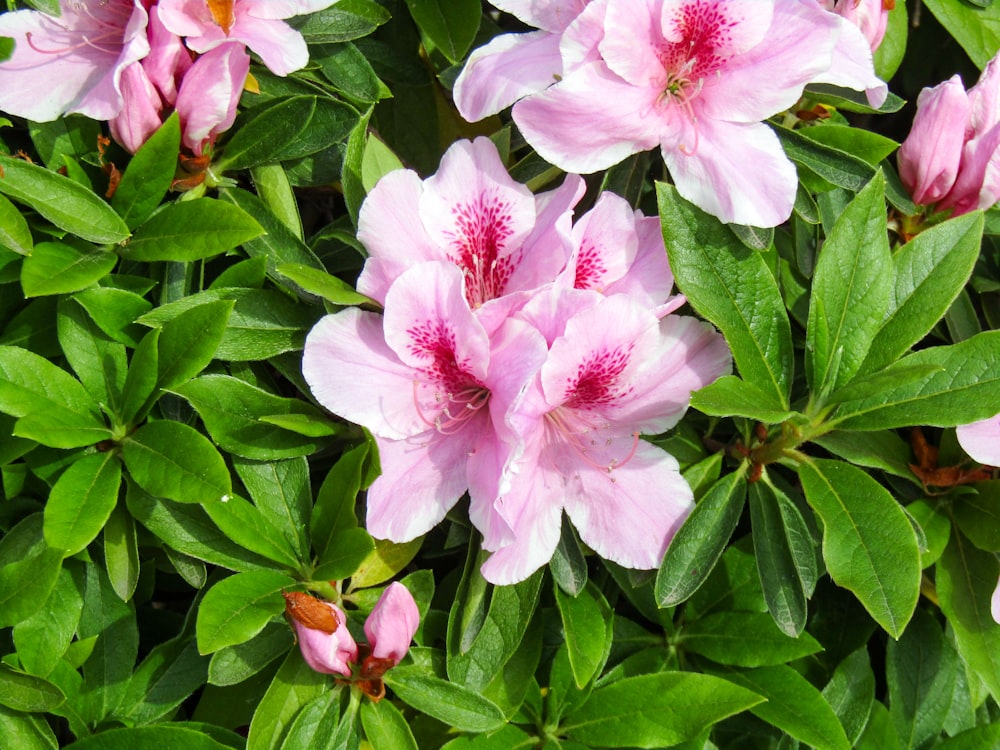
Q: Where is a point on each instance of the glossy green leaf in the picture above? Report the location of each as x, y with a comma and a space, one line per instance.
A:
655, 710
232, 411
98, 360
191, 230
264, 323
238, 607
171, 672
850, 292
81, 502
265, 131
141, 379
25, 692
831, 164
275, 191
163, 737
699, 543
334, 508
241, 522
451, 25
385, 561
962, 390
883, 450
448, 702
58, 268
786, 556
65, 203
869, 545
978, 516
794, 706
966, 579
121, 552
348, 549
25, 731
928, 272
851, 693
936, 526
189, 341
169, 459
729, 396
348, 71
234, 664
864, 144
14, 232
318, 723
323, 284
568, 564
588, 623
43, 638
148, 175
114, 311
29, 570
733, 288
745, 639
348, 19
280, 490
385, 727
976, 29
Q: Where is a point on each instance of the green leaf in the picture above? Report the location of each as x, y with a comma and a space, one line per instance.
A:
745, 639
148, 175
65, 203
699, 543
963, 390
890, 52
929, 272
281, 492
114, 311
14, 232
733, 288
141, 379
729, 396
43, 638
966, 578
883, 450
98, 360
323, 285
348, 549
241, 522
936, 527
121, 552
238, 607
264, 323
655, 710
477, 650
786, 557
866, 145
189, 342
319, 722
334, 508
348, 71
851, 693
869, 545
265, 131
24, 692
25, 731
451, 25
191, 230
448, 702
921, 670
385, 727
163, 737
169, 459
81, 502
232, 411
276, 192
384, 561
293, 687
378, 160
850, 292
233, 664
976, 29
833, 165
57, 268
568, 564
588, 623
348, 19
978, 516
987, 735
168, 676
794, 706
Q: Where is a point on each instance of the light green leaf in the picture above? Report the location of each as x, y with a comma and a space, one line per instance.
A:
323, 285
191, 230
189, 341
14, 232
385, 727
24, 692
58, 268
81, 502
588, 627
729, 396
451, 25
238, 607
448, 702
745, 639
869, 545
976, 29
148, 175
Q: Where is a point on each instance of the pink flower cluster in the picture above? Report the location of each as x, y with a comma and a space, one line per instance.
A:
603, 79
519, 358
132, 62
328, 646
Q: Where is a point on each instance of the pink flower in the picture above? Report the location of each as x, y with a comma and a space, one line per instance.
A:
696, 78
256, 23
981, 440
392, 624
951, 158
870, 16
140, 115
321, 630
423, 379
209, 93
72, 63
613, 371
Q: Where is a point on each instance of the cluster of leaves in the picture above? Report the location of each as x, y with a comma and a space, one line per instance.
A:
166, 474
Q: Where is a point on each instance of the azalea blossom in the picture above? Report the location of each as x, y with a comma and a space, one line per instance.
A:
870, 16
258, 24
73, 62
981, 440
951, 158
613, 371
327, 645
424, 379
694, 77
209, 93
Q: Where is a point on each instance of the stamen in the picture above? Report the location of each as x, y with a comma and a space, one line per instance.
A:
468, 402
576, 438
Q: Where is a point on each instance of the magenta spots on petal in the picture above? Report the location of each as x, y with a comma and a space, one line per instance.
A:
597, 379
483, 226
590, 269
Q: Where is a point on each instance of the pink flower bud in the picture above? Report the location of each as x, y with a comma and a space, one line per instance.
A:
321, 628
391, 625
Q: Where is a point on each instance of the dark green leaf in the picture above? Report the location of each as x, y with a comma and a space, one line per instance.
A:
385, 727
449, 702
734, 289
238, 607
167, 677
451, 25
348, 19
869, 545
163, 737
745, 639
978, 516
189, 341
233, 664
588, 624
98, 360
834, 166
851, 693
191, 230
568, 565
148, 175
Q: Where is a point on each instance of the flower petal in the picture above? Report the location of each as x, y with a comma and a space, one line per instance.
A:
981, 440
392, 623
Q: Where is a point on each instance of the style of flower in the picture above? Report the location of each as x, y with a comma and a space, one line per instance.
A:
73, 62
258, 24
950, 161
423, 379
327, 645
613, 371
